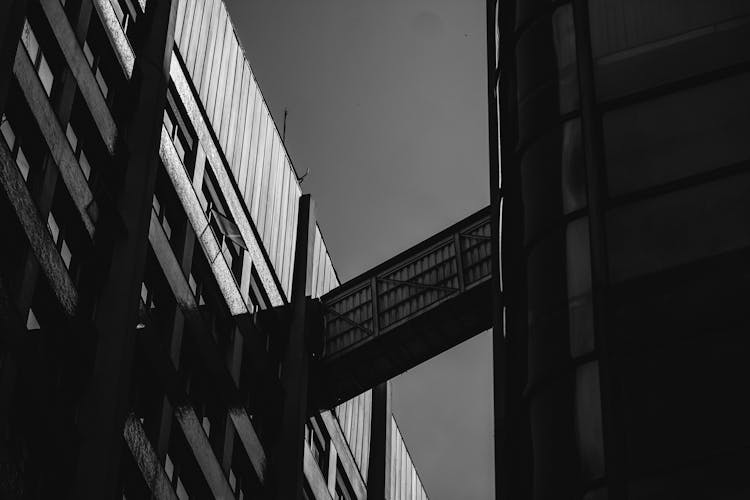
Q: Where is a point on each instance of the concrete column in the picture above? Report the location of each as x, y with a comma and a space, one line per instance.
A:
379, 469
12, 13
104, 406
288, 457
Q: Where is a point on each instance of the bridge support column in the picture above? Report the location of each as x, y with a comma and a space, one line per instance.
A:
104, 407
379, 469
288, 457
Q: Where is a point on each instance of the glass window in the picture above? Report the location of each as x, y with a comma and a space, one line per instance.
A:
88, 54
23, 164
83, 161
547, 71
102, 83
37, 58
678, 227
30, 42
31, 322
45, 76
65, 254
54, 229
589, 421
640, 44
622, 24
580, 309
554, 178
679, 135
72, 137
8, 134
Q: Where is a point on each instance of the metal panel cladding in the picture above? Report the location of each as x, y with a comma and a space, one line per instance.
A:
250, 142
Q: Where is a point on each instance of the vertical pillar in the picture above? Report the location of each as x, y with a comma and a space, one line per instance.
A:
104, 405
288, 456
379, 468
11, 23
593, 144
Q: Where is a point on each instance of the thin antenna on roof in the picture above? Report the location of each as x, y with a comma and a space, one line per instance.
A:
283, 133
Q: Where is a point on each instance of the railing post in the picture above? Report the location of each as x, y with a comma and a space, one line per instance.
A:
459, 261
375, 306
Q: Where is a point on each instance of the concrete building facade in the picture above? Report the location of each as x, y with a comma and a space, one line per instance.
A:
153, 283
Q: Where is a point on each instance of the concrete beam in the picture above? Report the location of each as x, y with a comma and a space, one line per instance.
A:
36, 231
250, 441
80, 69
56, 140
203, 453
316, 481
220, 171
117, 37
198, 220
12, 13
148, 462
187, 303
346, 459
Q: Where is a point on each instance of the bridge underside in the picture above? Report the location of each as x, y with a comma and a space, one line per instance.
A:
405, 311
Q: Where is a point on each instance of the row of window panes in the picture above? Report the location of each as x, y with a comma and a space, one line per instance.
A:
161, 216
176, 135
78, 152
94, 64
16, 151
38, 61
179, 487
59, 240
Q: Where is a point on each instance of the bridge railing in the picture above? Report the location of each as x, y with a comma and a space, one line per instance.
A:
408, 285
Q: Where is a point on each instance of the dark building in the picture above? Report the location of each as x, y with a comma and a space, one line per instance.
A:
157, 256
620, 128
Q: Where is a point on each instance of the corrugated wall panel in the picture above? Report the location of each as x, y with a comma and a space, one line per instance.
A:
226, 85
197, 71
234, 114
195, 32
405, 481
213, 82
252, 159
179, 20
213, 30
244, 127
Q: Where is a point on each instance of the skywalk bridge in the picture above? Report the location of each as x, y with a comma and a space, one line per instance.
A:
406, 310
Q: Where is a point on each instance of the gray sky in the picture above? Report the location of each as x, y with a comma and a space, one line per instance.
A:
387, 108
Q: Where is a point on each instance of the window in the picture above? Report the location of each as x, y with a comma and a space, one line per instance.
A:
104, 64
316, 441
16, 151
344, 490
161, 216
40, 63
67, 231
178, 130
127, 16
223, 226
94, 64
75, 144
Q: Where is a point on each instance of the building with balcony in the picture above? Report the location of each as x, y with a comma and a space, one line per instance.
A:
158, 252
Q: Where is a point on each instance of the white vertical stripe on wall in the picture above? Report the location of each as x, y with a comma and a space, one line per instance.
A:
244, 127
405, 481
